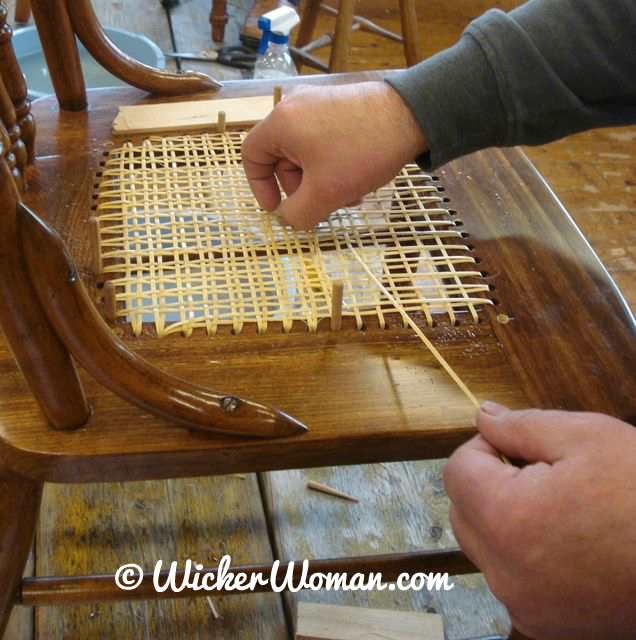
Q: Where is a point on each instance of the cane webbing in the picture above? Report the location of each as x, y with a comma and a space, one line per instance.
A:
185, 245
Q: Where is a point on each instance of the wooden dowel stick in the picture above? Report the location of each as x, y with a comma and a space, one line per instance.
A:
278, 94
220, 122
411, 323
96, 257
323, 488
215, 614
337, 288
110, 302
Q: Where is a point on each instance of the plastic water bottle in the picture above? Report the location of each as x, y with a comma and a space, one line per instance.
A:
275, 60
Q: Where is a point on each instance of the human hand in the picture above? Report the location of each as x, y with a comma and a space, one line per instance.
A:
556, 540
329, 147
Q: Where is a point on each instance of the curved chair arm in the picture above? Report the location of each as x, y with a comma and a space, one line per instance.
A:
142, 76
89, 339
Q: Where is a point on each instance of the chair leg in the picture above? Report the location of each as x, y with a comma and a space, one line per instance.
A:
22, 11
307, 26
19, 508
342, 41
218, 19
408, 16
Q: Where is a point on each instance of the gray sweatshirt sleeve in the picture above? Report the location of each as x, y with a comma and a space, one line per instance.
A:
546, 69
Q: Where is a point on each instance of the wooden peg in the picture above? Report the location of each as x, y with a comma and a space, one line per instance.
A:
323, 488
220, 122
215, 613
110, 302
337, 288
96, 255
278, 94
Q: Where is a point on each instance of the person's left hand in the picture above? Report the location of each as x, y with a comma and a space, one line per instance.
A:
556, 539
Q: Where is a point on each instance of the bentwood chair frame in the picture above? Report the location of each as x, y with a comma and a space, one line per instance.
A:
50, 323
218, 16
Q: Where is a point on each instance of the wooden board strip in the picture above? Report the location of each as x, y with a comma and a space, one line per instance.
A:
329, 622
190, 116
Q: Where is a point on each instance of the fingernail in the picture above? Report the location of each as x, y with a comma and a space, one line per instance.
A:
492, 408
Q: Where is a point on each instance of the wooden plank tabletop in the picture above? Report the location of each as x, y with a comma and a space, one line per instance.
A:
88, 529
402, 507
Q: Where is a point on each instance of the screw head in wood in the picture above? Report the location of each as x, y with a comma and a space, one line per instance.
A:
230, 404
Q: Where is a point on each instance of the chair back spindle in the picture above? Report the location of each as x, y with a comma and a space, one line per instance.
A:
61, 53
41, 356
16, 86
9, 157
59, 21
15, 150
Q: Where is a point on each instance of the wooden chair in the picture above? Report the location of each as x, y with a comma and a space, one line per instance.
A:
346, 24
119, 418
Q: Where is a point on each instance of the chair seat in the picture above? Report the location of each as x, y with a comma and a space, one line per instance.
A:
366, 396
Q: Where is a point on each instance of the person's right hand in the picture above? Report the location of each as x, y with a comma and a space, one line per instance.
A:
329, 147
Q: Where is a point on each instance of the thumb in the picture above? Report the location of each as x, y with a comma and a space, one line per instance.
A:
304, 208
530, 434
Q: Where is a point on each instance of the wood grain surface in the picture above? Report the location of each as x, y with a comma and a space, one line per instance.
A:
103, 526
328, 622
593, 173
402, 506
188, 116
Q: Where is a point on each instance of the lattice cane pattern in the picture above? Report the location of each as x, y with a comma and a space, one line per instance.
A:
185, 246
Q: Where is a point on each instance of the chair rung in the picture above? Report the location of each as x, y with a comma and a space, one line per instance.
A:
52, 590
366, 25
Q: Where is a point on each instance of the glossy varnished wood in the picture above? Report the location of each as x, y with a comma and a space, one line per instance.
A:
15, 84
88, 338
410, 34
60, 49
92, 527
571, 337
339, 55
9, 158
397, 404
44, 361
93, 37
16, 147
19, 506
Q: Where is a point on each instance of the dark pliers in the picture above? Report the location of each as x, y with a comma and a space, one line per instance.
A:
236, 56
